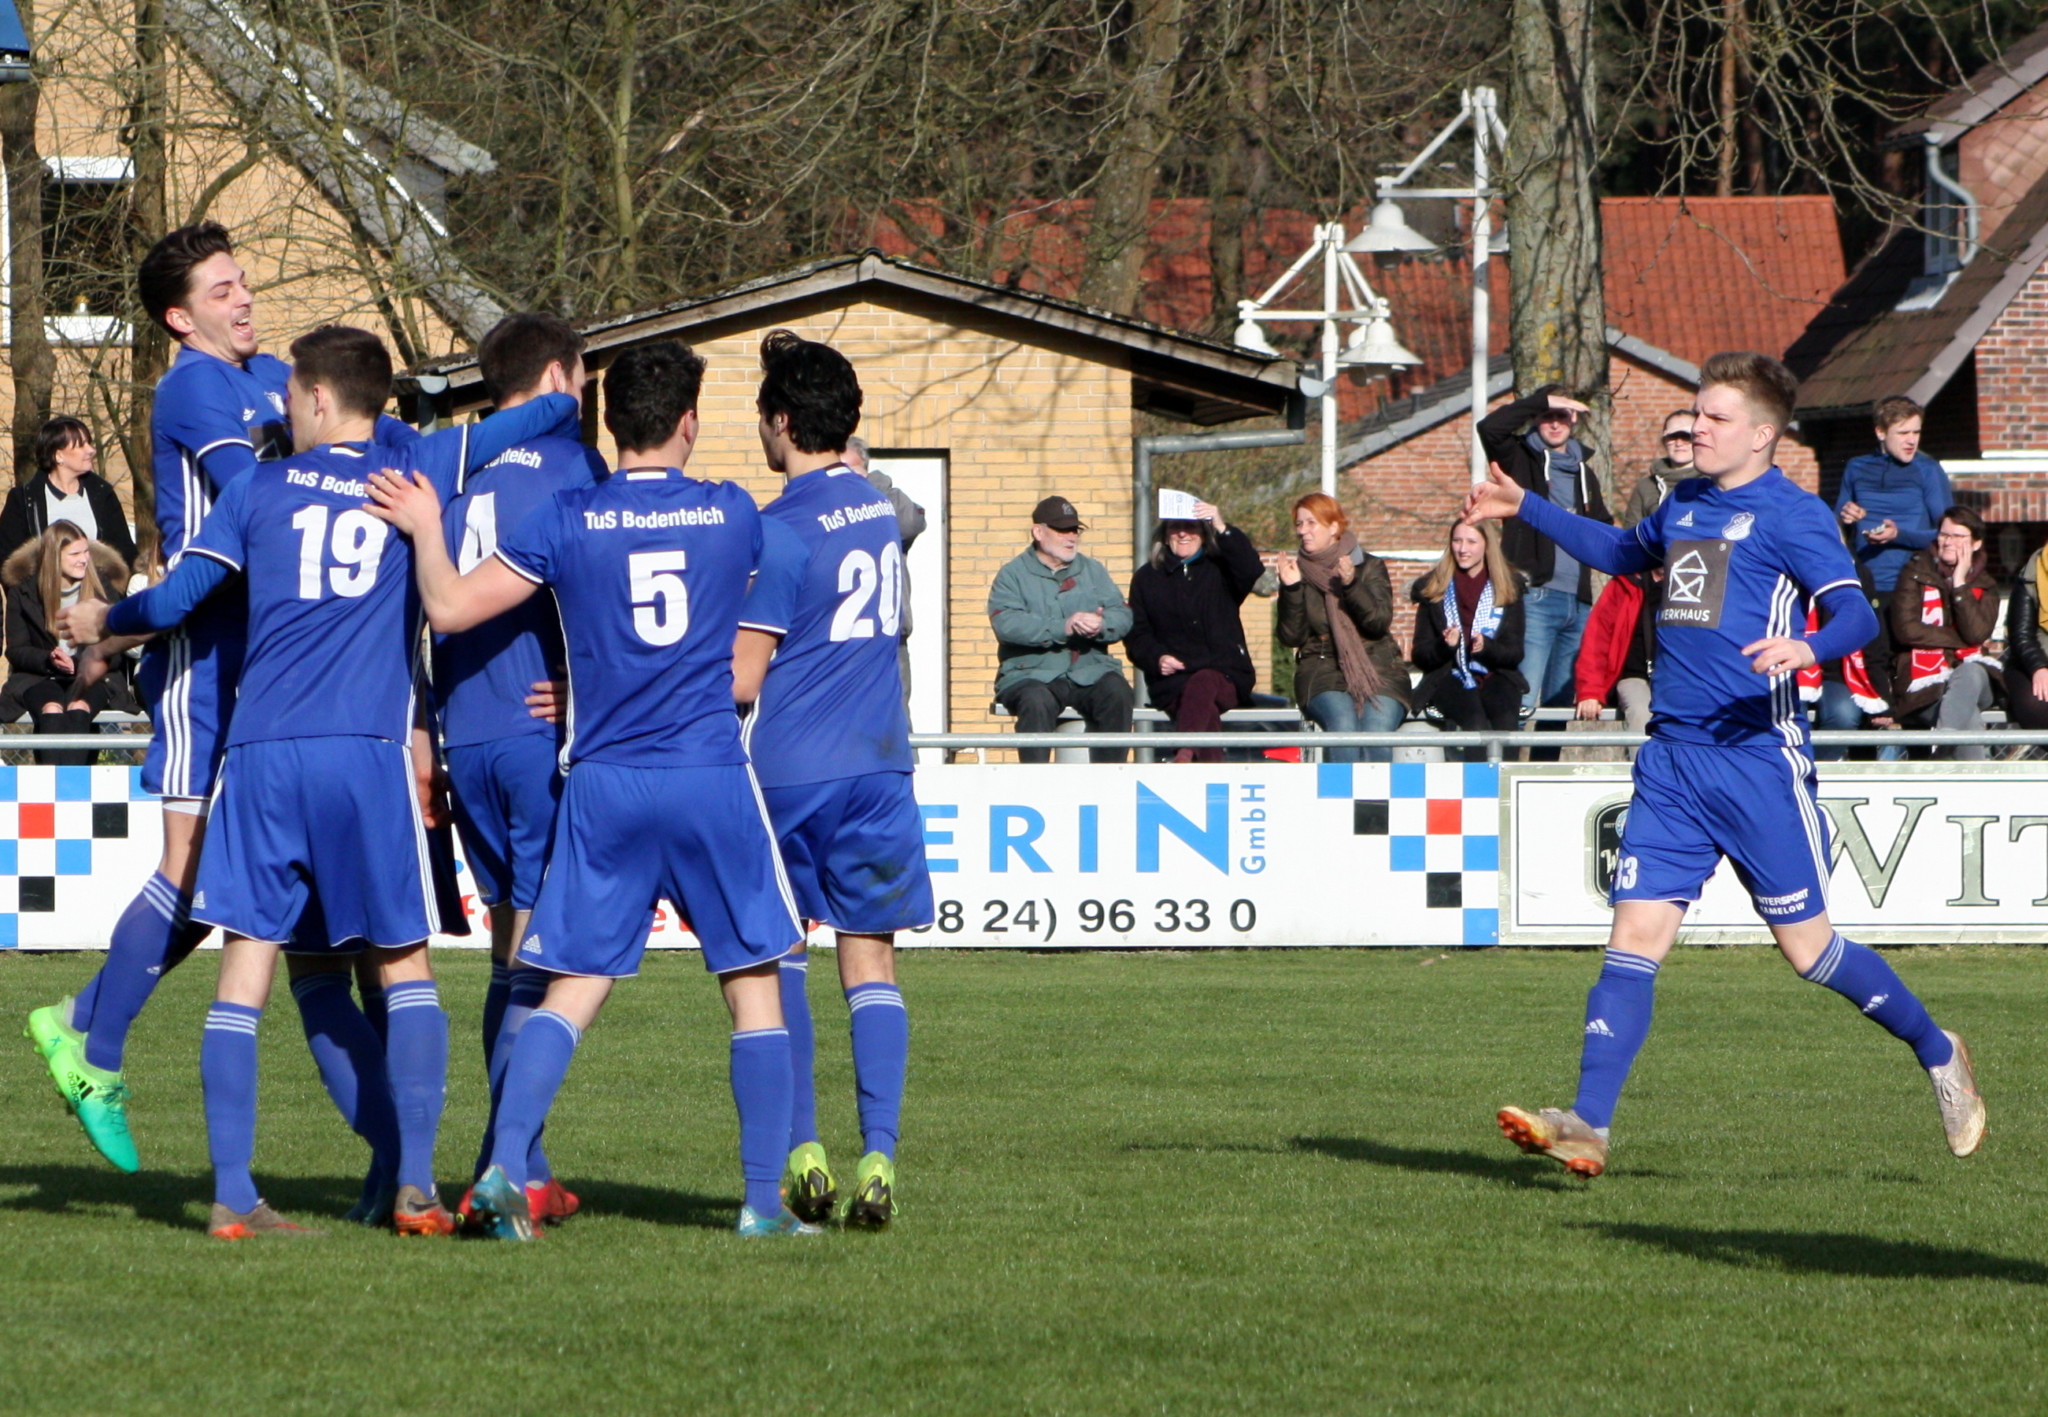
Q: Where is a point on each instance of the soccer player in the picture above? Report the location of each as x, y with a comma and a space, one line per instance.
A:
816, 655
1728, 771
316, 805
502, 760
650, 570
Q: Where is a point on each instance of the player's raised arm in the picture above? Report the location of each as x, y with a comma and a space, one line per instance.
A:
1606, 548
463, 449
452, 600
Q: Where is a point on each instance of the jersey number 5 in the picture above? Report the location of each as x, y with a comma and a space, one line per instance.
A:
661, 601
357, 546
859, 574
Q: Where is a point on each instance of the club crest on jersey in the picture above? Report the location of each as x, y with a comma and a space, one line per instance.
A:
1739, 526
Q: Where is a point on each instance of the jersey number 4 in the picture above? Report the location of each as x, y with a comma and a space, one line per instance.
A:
859, 575
356, 546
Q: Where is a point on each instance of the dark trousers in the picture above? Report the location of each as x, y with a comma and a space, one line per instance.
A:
45, 700
1495, 704
1104, 705
1204, 698
2021, 707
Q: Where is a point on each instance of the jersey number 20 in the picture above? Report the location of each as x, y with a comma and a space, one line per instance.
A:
661, 601
357, 546
859, 574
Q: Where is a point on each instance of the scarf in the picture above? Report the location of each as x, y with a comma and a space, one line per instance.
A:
1485, 619
1929, 667
1568, 459
1361, 679
1855, 676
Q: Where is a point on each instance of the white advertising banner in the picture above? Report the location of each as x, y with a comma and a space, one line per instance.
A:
1923, 853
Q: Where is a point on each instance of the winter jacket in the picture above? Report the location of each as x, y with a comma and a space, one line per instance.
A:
1304, 627
1934, 618
1430, 655
1191, 613
1911, 495
1603, 648
1500, 433
1029, 605
26, 516
1653, 487
30, 636
2026, 644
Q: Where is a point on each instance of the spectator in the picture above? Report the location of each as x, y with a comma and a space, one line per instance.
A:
1186, 633
65, 488
1943, 608
57, 569
1852, 692
1468, 635
1620, 648
1672, 467
1337, 614
2026, 646
1055, 612
1546, 459
910, 524
1893, 497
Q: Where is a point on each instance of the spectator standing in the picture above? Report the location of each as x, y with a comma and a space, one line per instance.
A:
1531, 440
1943, 609
1337, 614
910, 524
1186, 633
57, 569
1673, 466
2026, 646
65, 488
1468, 634
1619, 651
1892, 498
1055, 613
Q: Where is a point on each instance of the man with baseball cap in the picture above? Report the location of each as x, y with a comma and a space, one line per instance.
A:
1055, 613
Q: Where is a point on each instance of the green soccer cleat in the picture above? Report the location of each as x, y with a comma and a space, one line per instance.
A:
99, 1099
754, 1225
49, 1028
807, 1185
874, 1192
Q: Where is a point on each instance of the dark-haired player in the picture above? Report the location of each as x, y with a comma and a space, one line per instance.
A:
503, 761
1728, 771
650, 569
316, 806
831, 745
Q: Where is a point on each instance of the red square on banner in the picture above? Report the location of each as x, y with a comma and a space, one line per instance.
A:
38, 821
1446, 818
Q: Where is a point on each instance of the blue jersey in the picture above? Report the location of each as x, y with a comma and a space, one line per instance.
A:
831, 585
1739, 566
650, 570
482, 676
211, 419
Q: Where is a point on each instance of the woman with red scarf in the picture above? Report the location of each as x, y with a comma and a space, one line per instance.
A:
1337, 614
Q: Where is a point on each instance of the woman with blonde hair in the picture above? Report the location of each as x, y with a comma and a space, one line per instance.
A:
1337, 614
57, 569
1468, 634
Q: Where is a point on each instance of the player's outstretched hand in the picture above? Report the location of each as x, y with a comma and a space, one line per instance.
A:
1497, 497
407, 502
84, 623
547, 699
1779, 654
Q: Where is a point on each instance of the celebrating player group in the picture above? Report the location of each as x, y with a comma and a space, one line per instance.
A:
597, 634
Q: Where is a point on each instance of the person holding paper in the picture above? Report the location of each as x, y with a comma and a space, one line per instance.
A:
1186, 634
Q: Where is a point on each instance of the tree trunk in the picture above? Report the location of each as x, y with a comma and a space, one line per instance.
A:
1120, 228
1558, 319
33, 365
1731, 65
1235, 196
149, 348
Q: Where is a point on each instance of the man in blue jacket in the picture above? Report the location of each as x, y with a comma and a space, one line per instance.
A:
1893, 497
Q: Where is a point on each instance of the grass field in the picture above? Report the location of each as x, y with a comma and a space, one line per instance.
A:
1220, 1182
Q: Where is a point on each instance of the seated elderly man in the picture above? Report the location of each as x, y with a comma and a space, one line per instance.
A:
1055, 613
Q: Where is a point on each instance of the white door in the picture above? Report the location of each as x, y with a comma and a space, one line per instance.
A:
922, 474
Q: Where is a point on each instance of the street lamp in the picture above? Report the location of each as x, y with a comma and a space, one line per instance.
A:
1388, 233
1371, 346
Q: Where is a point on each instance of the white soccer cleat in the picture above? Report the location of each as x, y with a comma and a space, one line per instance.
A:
1955, 1092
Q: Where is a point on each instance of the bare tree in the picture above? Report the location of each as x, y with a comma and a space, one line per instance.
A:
33, 365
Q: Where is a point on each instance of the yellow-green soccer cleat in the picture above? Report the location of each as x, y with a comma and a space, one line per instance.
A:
874, 1192
99, 1099
49, 1028
807, 1185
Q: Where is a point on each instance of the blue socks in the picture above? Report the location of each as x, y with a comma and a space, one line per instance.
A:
350, 1057
416, 1058
525, 989
153, 935
881, 1055
1617, 1021
227, 1073
373, 1004
1860, 975
760, 1090
533, 1074
803, 1049
494, 1009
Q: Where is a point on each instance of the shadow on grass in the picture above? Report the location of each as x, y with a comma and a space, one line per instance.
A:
1511, 1170
1823, 1252
165, 1197
657, 1205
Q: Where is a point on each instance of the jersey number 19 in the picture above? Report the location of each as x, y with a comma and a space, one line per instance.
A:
357, 545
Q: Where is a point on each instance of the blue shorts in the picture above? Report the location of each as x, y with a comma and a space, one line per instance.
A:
187, 685
854, 850
1756, 805
628, 837
331, 823
505, 795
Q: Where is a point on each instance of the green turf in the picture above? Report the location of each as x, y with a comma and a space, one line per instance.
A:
1262, 1183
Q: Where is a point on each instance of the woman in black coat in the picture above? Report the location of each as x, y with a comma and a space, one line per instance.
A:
1186, 634
59, 568
1468, 635
65, 488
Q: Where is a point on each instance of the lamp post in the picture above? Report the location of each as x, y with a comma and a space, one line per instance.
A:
1478, 107
1371, 344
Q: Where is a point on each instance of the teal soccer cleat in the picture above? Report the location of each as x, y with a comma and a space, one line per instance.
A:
753, 1225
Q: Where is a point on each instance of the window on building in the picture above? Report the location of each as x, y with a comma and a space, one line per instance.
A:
86, 265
